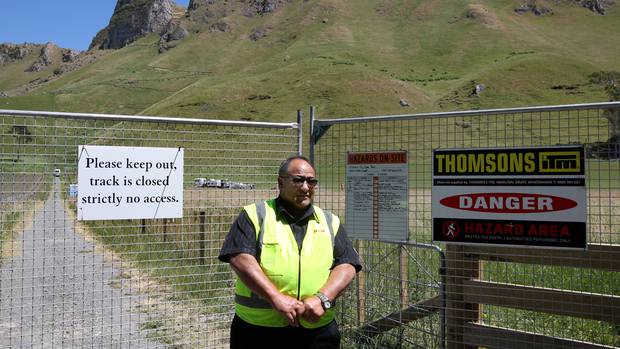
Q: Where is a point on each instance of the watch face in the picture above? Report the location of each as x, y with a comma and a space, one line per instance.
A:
327, 304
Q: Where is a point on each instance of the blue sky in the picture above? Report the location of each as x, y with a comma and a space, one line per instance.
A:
67, 23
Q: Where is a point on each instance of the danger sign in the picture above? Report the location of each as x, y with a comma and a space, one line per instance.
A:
510, 196
508, 202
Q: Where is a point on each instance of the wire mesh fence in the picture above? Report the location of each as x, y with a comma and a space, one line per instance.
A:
495, 297
130, 283
147, 283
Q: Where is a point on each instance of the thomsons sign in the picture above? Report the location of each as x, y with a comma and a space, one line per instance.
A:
129, 182
510, 196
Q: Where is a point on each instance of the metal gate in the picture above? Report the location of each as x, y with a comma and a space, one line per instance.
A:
493, 297
141, 283
157, 283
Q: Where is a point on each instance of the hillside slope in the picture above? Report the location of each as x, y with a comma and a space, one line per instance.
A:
348, 58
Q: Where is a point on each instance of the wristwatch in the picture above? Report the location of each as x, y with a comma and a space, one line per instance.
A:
324, 301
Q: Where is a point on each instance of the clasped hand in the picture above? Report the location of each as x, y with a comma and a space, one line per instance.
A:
310, 309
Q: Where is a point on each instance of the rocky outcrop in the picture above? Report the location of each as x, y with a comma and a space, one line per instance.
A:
482, 15
534, 7
262, 7
133, 19
598, 6
220, 26
175, 32
259, 33
70, 55
49, 55
209, 11
46, 58
11, 52
100, 41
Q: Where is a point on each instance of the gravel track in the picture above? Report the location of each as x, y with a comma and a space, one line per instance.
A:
57, 292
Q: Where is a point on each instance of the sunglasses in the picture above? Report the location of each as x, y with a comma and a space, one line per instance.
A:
299, 180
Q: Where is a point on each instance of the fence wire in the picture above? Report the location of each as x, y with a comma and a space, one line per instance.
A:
141, 283
157, 283
496, 297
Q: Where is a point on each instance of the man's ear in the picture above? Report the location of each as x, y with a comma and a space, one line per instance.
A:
279, 182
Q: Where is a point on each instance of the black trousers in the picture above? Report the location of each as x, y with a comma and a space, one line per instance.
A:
247, 336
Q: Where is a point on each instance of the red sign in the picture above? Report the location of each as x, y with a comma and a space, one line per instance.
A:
377, 158
510, 232
451, 230
508, 202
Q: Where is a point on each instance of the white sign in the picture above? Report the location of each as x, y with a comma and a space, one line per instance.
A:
524, 196
129, 182
377, 193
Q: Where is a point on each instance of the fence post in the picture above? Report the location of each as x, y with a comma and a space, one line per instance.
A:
300, 137
404, 277
143, 226
203, 237
312, 140
361, 288
460, 267
165, 229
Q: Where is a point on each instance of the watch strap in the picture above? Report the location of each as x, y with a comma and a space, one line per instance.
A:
323, 299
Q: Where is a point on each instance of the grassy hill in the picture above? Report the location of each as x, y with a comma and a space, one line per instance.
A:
348, 58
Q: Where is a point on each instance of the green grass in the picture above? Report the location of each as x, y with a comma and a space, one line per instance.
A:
7, 223
12, 214
171, 253
348, 59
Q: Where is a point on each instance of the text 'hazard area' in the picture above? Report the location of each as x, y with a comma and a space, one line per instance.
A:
518, 229
510, 232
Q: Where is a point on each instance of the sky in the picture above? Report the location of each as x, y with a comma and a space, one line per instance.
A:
67, 23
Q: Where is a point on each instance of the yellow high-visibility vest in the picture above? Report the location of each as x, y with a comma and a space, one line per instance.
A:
299, 274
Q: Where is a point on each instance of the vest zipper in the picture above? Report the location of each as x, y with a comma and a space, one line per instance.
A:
299, 275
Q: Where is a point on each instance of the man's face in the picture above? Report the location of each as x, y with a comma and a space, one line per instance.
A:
297, 187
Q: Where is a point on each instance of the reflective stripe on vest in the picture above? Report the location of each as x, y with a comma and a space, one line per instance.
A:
297, 273
254, 301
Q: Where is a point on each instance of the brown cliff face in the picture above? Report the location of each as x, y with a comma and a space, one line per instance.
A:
46, 58
133, 19
13, 52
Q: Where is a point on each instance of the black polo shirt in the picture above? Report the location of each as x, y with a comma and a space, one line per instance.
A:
242, 237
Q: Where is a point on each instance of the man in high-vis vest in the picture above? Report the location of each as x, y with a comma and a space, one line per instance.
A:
292, 259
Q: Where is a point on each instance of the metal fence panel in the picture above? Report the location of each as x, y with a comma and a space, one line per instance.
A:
142, 283
496, 297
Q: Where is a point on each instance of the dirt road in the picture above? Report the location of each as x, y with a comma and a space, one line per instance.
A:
58, 292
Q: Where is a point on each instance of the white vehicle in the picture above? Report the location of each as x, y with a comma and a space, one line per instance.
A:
214, 183
200, 182
56, 172
235, 185
239, 185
